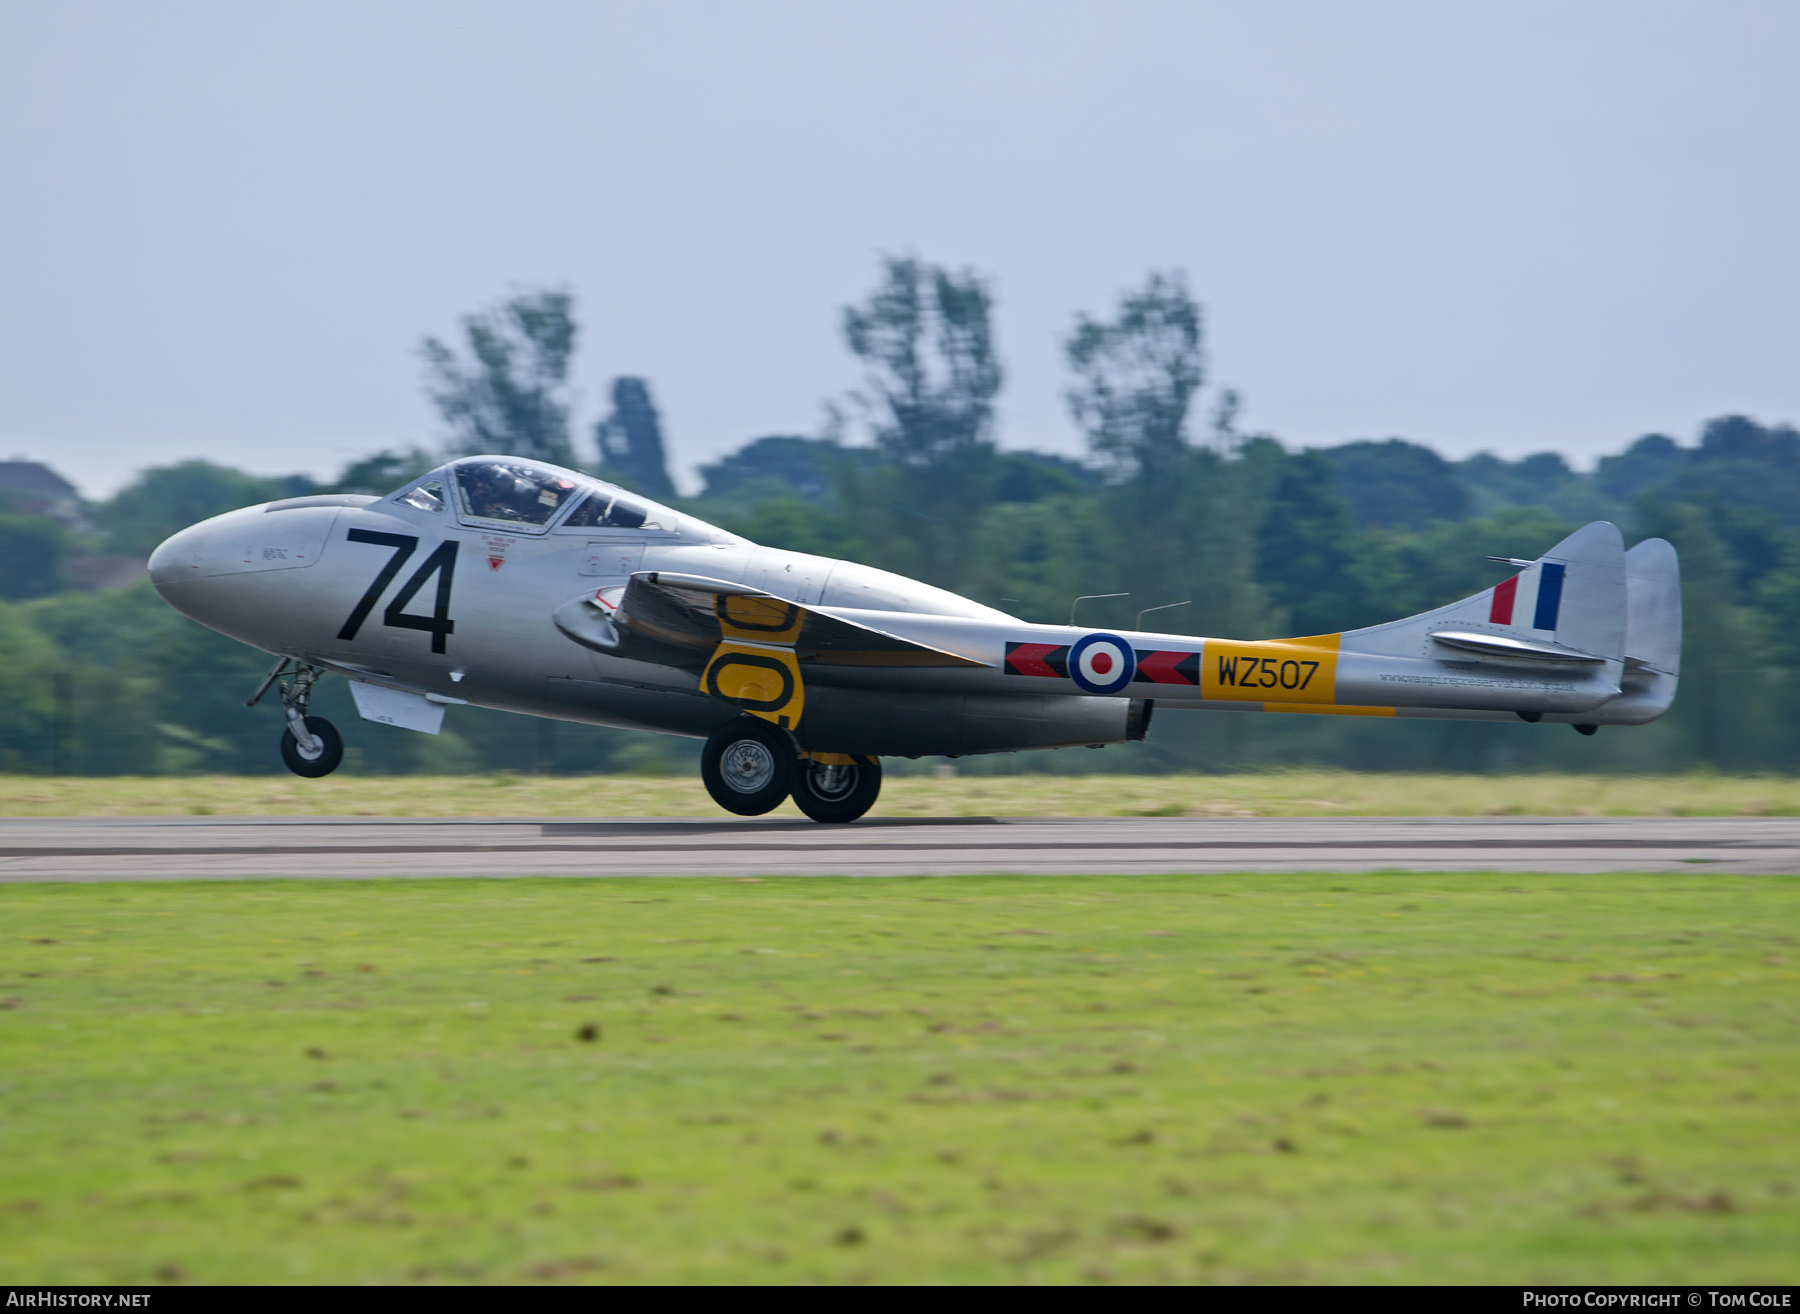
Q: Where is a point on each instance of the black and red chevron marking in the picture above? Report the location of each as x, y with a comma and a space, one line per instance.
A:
1051, 661
1167, 668
1043, 659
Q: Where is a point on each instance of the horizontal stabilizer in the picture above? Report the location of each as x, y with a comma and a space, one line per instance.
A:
1498, 645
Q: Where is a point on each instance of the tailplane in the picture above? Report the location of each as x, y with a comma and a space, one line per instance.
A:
1586, 635
1568, 607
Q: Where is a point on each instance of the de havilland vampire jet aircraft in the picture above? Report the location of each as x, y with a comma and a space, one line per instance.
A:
502, 582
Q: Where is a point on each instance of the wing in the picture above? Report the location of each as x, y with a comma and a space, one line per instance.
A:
701, 613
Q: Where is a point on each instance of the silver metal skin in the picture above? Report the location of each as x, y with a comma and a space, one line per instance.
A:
417, 593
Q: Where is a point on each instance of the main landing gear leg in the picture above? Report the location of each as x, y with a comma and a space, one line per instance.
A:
311, 745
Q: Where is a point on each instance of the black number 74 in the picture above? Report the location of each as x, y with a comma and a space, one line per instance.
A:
442, 563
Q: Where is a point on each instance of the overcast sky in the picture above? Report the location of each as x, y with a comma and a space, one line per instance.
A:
224, 228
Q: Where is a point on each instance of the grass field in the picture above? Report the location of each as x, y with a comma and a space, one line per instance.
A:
1385, 1078
1283, 794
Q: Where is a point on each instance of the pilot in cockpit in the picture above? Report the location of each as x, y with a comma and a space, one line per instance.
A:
502, 490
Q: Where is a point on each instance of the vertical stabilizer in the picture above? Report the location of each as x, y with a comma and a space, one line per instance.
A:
1590, 567
1652, 639
1571, 599
1653, 606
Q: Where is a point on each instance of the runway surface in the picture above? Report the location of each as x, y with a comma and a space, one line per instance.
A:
176, 848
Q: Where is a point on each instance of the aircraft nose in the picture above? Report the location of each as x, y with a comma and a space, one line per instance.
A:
180, 557
189, 570
231, 573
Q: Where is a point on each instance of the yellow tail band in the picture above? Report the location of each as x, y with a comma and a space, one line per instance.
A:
1290, 670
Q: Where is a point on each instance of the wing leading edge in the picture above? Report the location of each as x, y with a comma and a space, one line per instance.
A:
757, 641
702, 613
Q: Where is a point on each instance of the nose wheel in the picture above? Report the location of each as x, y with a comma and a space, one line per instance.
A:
311, 745
322, 752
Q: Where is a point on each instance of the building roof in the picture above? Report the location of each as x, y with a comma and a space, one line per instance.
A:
34, 477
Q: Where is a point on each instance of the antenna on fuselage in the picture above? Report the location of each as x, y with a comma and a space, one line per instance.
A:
1086, 597
1147, 610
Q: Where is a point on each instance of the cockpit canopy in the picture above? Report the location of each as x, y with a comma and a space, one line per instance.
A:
530, 496
521, 492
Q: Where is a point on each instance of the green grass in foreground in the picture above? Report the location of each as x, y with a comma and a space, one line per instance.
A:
1271, 794
1383, 1078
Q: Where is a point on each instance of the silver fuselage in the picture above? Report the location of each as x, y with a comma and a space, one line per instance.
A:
292, 578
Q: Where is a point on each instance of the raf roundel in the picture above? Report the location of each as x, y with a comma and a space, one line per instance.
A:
1101, 663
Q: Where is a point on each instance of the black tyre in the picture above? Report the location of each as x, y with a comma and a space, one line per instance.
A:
837, 794
321, 763
748, 766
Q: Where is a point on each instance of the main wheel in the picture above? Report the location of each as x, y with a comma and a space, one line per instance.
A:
748, 766
837, 794
321, 763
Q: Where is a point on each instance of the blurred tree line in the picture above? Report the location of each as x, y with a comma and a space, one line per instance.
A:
1174, 503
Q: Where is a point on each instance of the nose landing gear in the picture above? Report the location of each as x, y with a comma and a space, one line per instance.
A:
318, 754
311, 745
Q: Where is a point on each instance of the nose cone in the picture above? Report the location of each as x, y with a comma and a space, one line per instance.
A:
190, 570
247, 573
178, 559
